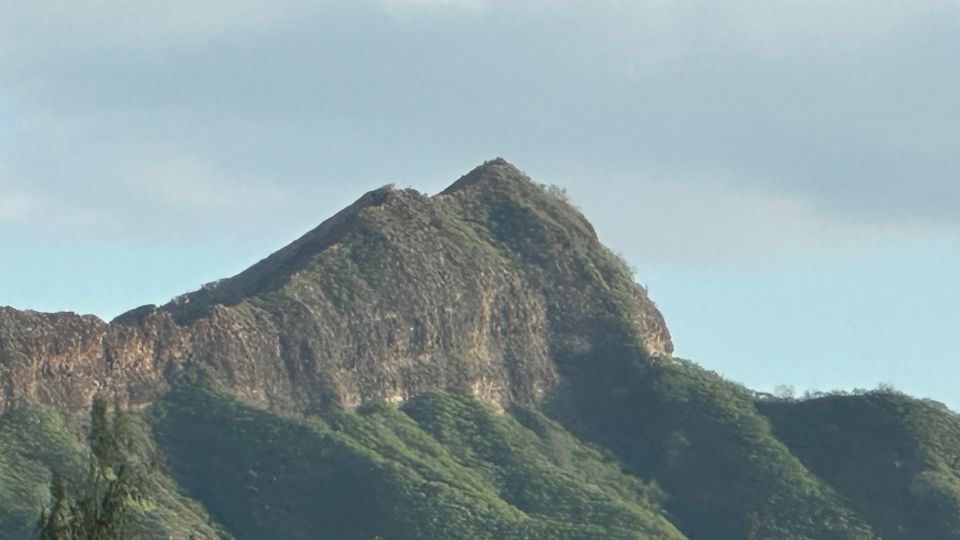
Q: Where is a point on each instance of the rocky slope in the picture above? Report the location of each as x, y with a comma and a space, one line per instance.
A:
396, 295
474, 364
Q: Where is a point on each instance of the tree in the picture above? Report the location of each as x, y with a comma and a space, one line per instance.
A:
116, 479
785, 391
58, 524
753, 526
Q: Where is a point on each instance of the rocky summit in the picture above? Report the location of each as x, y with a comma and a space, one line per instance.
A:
473, 364
396, 295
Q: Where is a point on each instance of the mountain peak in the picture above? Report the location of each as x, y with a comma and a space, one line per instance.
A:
400, 218
457, 307
272, 270
497, 172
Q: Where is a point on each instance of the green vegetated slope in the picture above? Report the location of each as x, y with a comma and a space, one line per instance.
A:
38, 441
442, 466
896, 459
32, 442
447, 466
699, 436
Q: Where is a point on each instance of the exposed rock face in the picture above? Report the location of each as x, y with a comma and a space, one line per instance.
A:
64, 359
475, 289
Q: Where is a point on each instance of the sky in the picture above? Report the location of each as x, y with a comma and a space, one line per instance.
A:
783, 176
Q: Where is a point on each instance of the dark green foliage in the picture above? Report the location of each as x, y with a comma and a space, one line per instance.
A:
538, 467
444, 467
896, 459
101, 508
44, 465
699, 436
61, 522
32, 441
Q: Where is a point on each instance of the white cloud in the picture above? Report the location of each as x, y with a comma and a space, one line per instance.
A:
21, 206
195, 187
15, 206
709, 220
427, 4
638, 35
767, 27
140, 102
30, 28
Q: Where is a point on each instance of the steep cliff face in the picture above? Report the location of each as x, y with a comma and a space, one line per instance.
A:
475, 289
63, 359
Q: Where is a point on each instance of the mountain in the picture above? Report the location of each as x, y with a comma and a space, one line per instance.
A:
475, 364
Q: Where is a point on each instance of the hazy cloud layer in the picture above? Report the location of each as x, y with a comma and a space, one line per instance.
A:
14, 206
752, 125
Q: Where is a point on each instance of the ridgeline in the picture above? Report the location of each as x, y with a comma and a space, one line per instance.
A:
470, 365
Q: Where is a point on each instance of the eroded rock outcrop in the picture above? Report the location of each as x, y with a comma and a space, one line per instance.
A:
475, 289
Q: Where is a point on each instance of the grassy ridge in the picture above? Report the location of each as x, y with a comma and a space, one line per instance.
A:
442, 467
725, 473
446, 466
895, 458
701, 438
